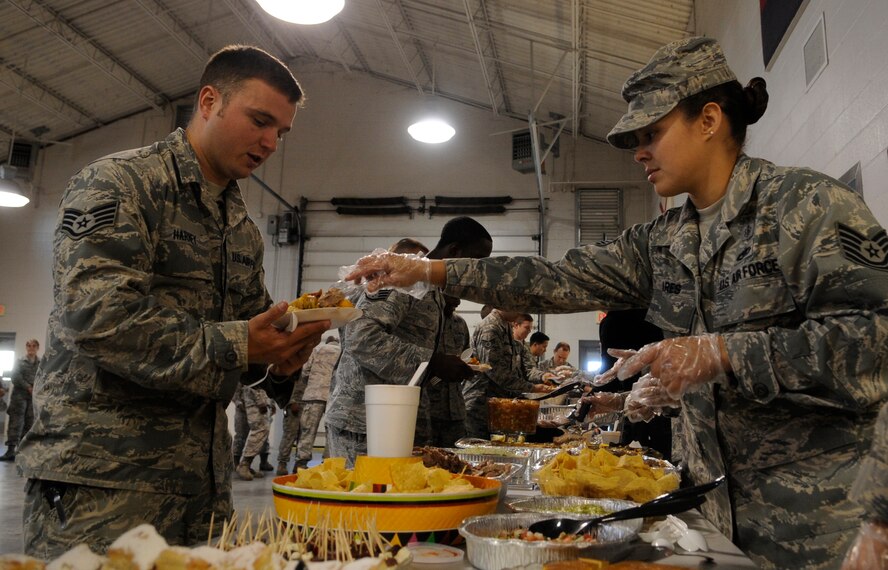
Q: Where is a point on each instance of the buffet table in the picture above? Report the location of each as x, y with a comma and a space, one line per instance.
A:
721, 550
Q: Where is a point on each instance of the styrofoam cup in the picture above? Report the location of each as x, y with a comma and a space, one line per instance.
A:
391, 419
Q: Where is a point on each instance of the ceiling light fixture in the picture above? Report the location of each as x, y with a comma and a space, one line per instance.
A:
11, 194
305, 12
431, 130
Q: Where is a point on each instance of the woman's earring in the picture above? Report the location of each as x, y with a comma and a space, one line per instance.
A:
710, 133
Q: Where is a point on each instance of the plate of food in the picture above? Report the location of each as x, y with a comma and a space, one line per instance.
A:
476, 364
422, 504
319, 306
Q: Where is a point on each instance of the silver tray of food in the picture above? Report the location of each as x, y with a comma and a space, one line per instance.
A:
576, 507
555, 413
490, 546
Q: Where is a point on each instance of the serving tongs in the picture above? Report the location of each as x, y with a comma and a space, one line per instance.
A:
563, 389
668, 504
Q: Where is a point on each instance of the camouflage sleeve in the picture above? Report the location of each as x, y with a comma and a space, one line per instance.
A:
493, 347
613, 275
534, 375
253, 397
375, 347
106, 311
18, 379
305, 376
871, 487
836, 356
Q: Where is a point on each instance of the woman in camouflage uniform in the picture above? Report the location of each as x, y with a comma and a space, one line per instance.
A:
770, 286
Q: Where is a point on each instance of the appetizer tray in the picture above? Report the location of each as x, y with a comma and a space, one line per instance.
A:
400, 517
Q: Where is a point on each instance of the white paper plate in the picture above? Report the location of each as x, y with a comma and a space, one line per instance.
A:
338, 316
428, 553
480, 367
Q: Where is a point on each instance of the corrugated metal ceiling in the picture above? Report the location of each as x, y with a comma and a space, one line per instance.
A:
68, 66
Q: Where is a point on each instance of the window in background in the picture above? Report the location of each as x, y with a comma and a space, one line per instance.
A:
590, 356
7, 354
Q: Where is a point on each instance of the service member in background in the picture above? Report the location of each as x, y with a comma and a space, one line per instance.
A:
770, 286
447, 409
538, 345
259, 409
520, 330
21, 406
318, 372
386, 345
160, 309
558, 366
492, 344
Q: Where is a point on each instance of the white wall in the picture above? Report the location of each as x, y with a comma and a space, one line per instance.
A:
843, 117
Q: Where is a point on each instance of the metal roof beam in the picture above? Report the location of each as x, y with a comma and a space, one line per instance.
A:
249, 17
164, 18
37, 93
577, 29
480, 53
494, 57
353, 45
416, 42
400, 47
84, 46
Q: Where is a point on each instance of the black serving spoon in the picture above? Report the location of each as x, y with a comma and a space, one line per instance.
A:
670, 503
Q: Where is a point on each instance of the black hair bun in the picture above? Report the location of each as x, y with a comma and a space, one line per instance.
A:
756, 95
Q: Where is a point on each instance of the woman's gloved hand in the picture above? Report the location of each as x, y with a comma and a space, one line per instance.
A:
385, 269
870, 548
648, 399
602, 402
680, 363
610, 375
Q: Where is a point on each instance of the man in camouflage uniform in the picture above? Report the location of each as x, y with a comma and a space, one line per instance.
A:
312, 403
492, 344
21, 407
257, 406
786, 283
292, 414
446, 405
529, 363
386, 345
539, 343
159, 311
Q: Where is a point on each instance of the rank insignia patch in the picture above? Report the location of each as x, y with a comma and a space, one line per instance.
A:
857, 248
77, 224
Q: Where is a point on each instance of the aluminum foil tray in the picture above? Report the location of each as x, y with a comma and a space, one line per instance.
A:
487, 552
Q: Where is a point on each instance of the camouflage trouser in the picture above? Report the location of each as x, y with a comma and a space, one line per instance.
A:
348, 444
476, 418
21, 416
309, 421
289, 436
97, 516
446, 432
259, 428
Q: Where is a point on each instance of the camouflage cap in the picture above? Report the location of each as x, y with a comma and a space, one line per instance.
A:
677, 70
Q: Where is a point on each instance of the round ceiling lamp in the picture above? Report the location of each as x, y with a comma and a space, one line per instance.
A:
306, 12
11, 194
431, 131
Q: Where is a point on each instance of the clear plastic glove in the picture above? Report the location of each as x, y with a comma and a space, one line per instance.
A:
405, 272
680, 363
649, 391
610, 375
870, 548
647, 400
602, 402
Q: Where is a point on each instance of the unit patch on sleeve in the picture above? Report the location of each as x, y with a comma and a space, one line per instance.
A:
857, 248
77, 224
